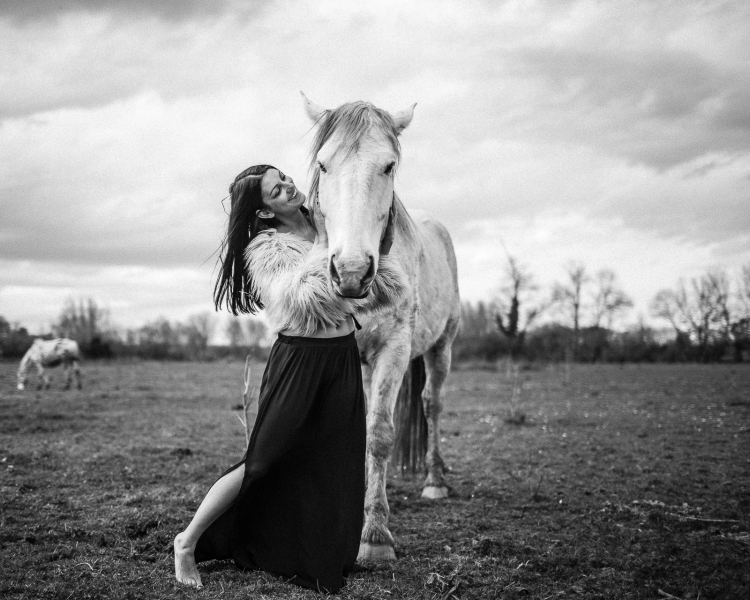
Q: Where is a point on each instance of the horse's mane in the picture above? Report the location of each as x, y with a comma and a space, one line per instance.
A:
352, 121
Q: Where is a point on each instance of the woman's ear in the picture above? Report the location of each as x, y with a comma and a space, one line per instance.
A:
264, 213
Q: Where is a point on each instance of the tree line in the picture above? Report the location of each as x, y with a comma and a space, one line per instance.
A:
161, 339
580, 318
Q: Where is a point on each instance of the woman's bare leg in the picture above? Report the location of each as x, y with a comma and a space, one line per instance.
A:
217, 500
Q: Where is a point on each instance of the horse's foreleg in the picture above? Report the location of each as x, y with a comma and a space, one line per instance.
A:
376, 543
437, 365
367, 381
68, 374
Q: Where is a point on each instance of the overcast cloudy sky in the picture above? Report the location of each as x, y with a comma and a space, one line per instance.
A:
613, 133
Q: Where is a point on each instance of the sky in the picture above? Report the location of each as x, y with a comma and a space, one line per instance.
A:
613, 134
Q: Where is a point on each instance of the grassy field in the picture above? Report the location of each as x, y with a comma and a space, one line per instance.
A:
623, 482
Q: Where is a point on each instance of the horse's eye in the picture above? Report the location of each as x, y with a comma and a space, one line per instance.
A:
321, 167
389, 169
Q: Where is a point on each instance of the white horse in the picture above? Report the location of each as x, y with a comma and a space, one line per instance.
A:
355, 155
50, 353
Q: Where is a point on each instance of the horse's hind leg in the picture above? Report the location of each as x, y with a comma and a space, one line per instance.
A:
437, 362
43, 377
68, 374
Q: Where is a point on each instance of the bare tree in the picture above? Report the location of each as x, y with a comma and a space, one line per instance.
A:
198, 331
609, 299
740, 327
743, 290
87, 323
255, 331
234, 332
80, 320
701, 309
476, 320
664, 306
516, 289
720, 289
569, 296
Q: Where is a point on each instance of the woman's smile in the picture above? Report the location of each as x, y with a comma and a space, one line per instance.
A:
297, 196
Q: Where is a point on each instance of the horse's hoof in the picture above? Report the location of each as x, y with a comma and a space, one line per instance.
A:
375, 552
435, 492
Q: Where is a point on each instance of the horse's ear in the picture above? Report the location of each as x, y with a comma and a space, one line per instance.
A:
314, 111
402, 118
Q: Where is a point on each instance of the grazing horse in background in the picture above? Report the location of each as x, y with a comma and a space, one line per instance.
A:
50, 353
355, 155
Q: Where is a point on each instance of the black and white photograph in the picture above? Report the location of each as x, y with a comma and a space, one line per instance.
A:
432, 300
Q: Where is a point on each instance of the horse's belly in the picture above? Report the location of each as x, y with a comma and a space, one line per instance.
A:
51, 361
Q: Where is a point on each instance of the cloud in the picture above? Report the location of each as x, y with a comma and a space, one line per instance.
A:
126, 188
169, 10
87, 61
703, 202
121, 124
34, 293
653, 84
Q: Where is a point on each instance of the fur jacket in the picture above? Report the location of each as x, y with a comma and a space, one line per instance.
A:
290, 276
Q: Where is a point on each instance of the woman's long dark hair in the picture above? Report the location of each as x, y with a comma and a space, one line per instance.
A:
233, 286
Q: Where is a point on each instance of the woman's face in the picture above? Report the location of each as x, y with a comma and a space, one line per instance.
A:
279, 193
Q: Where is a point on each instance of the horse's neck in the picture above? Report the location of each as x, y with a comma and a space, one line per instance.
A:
26, 362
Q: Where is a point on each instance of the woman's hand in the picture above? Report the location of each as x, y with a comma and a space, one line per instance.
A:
320, 224
387, 240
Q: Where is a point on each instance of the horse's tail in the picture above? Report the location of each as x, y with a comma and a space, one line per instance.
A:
410, 445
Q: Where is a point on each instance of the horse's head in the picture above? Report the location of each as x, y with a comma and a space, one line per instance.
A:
355, 155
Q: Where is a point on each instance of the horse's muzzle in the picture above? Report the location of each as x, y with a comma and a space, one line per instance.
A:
350, 282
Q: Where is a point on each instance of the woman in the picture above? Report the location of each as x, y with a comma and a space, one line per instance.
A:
294, 505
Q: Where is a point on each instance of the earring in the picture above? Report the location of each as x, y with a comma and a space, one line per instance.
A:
264, 213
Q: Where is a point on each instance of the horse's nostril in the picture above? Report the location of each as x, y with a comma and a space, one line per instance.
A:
370, 272
332, 270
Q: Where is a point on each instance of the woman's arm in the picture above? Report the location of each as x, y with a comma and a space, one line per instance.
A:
291, 280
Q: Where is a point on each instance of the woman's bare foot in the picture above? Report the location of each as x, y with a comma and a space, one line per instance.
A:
184, 563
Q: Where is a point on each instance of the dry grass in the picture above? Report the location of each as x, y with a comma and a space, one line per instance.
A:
627, 482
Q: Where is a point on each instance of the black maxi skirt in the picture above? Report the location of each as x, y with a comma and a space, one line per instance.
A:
300, 508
